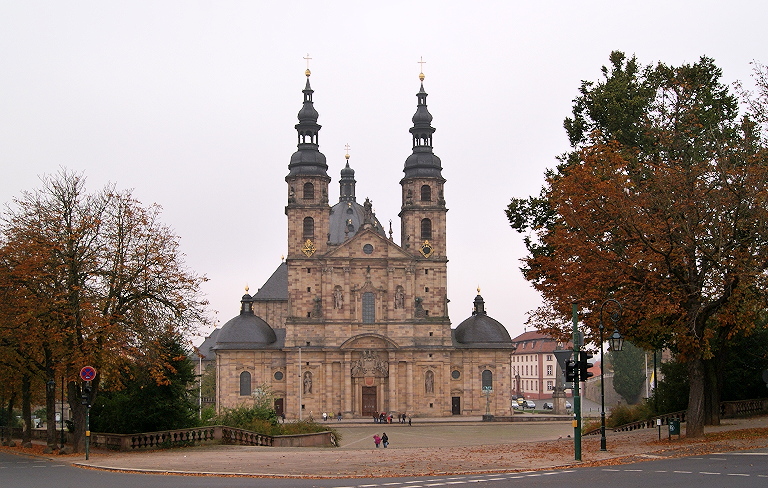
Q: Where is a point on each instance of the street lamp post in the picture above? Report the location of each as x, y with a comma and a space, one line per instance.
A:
616, 344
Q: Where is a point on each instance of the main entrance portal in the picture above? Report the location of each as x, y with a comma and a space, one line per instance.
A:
369, 401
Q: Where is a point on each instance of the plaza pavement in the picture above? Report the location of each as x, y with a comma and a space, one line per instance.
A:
456, 445
428, 447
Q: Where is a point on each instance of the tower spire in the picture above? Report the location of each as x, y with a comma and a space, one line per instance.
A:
347, 181
308, 160
422, 162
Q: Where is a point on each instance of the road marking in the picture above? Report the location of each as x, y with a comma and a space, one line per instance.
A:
683, 472
633, 470
707, 472
749, 454
737, 474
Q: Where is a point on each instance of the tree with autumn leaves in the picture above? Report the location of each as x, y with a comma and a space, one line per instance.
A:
91, 279
662, 204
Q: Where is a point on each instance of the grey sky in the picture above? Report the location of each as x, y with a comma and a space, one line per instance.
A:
193, 105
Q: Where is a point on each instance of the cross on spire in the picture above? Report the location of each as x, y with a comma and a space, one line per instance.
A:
421, 68
347, 148
307, 72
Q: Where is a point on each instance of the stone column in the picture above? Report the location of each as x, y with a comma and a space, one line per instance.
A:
409, 401
346, 392
392, 380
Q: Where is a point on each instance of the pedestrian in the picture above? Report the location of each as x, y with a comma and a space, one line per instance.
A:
376, 439
338, 416
325, 416
384, 439
409, 420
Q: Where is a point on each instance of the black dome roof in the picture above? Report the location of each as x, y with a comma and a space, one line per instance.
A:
246, 331
480, 328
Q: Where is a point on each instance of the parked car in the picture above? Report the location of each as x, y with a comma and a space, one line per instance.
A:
548, 406
530, 404
521, 402
568, 405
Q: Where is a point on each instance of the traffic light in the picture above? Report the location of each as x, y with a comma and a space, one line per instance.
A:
570, 370
85, 397
584, 366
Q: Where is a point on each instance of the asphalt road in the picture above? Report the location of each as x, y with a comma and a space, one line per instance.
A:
743, 469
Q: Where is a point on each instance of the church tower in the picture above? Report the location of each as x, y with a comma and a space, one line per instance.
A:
307, 210
423, 211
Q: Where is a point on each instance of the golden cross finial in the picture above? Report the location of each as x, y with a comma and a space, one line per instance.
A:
421, 68
347, 148
478, 289
307, 72
246, 288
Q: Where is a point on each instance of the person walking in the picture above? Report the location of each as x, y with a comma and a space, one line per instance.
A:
376, 439
384, 439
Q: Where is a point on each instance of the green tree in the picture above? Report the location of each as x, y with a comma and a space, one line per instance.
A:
659, 205
152, 394
628, 372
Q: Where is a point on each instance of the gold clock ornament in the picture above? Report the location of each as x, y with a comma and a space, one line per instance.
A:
308, 248
426, 249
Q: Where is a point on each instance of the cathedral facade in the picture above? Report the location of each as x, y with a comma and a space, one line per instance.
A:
353, 323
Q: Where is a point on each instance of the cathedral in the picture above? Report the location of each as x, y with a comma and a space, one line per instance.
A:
353, 323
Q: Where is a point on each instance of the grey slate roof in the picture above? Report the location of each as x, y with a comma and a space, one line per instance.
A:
276, 287
246, 331
346, 219
206, 348
480, 330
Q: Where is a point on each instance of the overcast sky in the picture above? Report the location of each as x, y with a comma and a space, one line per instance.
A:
193, 105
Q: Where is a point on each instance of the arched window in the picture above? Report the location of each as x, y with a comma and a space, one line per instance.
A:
487, 378
245, 383
309, 227
426, 229
309, 191
426, 193
369, 308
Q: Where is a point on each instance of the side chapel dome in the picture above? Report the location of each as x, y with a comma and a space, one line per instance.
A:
246, 331
480, 328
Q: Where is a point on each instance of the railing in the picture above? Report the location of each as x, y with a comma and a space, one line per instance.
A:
727, 409
215, 434
230, 435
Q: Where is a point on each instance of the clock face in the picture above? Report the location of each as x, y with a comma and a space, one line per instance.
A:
426, 249
308, 248
368, 249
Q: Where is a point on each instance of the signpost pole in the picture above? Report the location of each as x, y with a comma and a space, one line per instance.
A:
87, 374
576, 397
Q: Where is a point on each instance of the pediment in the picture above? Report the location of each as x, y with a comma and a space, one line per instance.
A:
369, 244
368, 342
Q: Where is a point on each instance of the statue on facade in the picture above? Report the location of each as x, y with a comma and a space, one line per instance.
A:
307, 382
338, 298
429, 382
399, 297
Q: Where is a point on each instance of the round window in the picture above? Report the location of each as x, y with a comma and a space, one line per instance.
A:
455, 374
368, 249
278, 375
